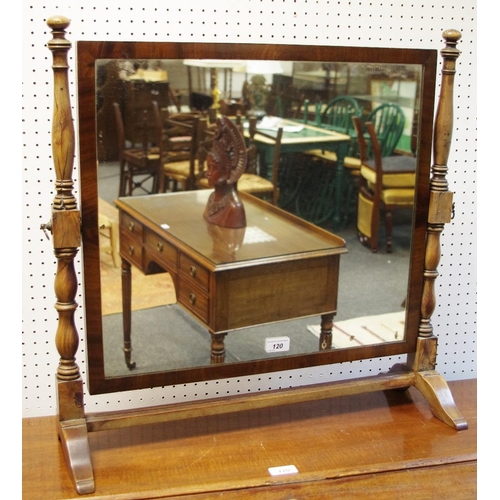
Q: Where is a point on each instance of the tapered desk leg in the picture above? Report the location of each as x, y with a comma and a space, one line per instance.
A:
218, 354
127, 313
325, 336
438, 395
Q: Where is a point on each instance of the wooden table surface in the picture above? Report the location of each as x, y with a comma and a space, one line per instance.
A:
380, 445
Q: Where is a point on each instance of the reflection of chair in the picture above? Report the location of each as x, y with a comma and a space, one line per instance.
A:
108, 231
178, 142
316, 198
388, 121
251, 182
139, 163
386, 182
337, 116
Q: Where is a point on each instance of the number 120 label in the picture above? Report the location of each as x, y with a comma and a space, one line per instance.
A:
277, 344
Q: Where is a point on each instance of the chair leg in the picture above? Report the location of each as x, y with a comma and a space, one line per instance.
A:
156, 184
368, 216
352, 189
161, 183
123, 177
375, 226
130, 188
388, 229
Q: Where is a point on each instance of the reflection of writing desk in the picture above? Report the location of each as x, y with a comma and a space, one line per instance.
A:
280, 268
310, 137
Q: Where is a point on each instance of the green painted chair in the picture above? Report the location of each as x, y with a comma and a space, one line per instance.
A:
315, 201
338, 115
388, 122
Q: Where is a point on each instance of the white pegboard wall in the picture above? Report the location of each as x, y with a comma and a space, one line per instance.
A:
322, 22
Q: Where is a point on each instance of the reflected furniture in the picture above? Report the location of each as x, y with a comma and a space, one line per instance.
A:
325, 80
337, 116
388, 120
135, 94
299, 137
178, 145
253, 182
138, 96
432, 210
386, 182
109, 231
140, 162
277, 268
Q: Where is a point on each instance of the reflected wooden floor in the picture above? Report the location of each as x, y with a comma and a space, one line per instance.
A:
376, 446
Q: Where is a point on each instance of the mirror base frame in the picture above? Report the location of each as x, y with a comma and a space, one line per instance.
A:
73, 434
74, 425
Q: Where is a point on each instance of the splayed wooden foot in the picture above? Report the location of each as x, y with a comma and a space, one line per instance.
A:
438, 395
74, 440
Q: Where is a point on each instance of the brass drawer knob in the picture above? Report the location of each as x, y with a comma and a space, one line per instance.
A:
131, 250
131, 226
159, 246
192, 271
192, 298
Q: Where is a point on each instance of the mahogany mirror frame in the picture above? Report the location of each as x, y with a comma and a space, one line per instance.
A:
67, 225
89, 52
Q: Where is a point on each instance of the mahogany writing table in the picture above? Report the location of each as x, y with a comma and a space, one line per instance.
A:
279, 267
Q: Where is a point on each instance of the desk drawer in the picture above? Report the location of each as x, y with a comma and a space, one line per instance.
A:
193, 299
160, 250
130, 227
131, 250
195, 272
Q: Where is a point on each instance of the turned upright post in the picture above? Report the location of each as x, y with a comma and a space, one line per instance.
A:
441, 199
430, 383
65, 226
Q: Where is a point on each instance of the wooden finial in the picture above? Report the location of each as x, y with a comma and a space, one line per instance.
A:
452, 36
58, 23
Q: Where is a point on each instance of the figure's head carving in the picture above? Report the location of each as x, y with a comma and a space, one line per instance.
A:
226, 162
228, 156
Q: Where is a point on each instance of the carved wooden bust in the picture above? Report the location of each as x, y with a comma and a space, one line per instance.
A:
225, 165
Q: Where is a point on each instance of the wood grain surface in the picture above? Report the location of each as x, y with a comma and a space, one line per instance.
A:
377, 445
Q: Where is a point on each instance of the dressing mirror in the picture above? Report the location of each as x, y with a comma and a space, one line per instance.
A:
377, 313
432, 208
